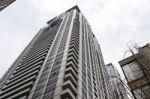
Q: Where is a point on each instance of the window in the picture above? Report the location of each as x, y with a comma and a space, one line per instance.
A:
132, 71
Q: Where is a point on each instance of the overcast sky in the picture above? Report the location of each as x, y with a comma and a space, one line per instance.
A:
114, 22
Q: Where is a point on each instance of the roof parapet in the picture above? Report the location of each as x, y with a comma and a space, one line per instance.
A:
74, 7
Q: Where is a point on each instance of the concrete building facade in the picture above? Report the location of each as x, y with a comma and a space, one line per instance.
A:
117, 87
5, 3
63, 61
137, 72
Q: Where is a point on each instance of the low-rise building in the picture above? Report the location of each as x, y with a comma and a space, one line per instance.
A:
5, 3
137, 72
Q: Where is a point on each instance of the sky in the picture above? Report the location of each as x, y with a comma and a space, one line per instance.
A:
115, 23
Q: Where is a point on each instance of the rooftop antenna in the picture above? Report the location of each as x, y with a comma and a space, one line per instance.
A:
132, 48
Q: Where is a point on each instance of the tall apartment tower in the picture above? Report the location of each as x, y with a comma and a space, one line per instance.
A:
5, 3
63, 61
117, 87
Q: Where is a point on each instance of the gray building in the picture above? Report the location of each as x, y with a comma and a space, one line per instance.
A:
5, 3
136, 69
63, 61
117, 86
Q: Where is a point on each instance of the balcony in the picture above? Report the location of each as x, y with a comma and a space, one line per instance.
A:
32, 58
71, 59
27, 71
22, 77
68, 85
30, 63
70, 71
71, 65
69, 77
67, 94
27, 66
15, 85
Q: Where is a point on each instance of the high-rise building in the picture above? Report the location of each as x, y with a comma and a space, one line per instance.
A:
137, 71
63, 61
117, 87
5, 3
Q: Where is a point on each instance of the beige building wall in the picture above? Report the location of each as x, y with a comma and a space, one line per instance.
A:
137, 72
